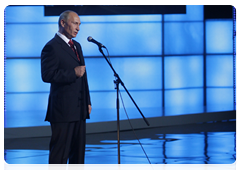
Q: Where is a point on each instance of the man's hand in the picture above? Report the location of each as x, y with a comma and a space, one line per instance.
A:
89, 109
80, 70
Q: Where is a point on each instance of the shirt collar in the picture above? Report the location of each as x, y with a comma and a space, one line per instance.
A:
64, 38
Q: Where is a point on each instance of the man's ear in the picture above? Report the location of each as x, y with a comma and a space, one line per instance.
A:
62, 23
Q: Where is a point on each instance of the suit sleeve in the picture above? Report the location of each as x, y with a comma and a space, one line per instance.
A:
50, 71
88, 93
86, 79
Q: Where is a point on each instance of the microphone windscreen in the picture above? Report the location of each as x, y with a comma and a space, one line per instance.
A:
89, 38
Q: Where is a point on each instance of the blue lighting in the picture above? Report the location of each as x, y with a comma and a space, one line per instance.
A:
183, 72
136, 72
185, 98
122, 38
26, 102
24, 75
27, 14
220, 96
27, 40
183, 38
135, 44
219, 36
220, 70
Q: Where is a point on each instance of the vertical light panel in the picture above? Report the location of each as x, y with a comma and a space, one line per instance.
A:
220, 98
27, 14
193, 13
183, 38
27, 40
188, 97
183, 72
26, 102
100, 75
180, 102
219, 70
219, 36
139, 73
24, 75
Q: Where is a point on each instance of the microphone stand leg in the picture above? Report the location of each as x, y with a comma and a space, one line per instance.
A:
118, 120
117, 82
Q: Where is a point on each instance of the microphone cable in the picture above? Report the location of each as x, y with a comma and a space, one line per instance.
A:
108, 56
133, 128
128, 116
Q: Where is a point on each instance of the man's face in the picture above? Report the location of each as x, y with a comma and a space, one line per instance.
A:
71, 26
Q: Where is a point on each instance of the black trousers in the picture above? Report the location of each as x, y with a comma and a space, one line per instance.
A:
68, 143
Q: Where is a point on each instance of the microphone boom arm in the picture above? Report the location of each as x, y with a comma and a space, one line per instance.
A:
121, 82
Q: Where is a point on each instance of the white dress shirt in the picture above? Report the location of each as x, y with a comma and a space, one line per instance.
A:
65, 39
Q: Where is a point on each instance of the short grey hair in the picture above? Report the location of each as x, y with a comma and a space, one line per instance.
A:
64, 16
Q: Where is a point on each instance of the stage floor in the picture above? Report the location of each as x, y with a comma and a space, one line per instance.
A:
207, 143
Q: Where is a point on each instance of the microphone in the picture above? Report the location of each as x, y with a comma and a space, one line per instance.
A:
90, 39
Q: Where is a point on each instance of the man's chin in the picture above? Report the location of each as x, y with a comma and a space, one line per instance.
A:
74, 35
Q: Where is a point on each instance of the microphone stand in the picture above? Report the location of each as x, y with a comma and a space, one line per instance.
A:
117, 82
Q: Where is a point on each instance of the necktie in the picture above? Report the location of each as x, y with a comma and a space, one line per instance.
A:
72, 47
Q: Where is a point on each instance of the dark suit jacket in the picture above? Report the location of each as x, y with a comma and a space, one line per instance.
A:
69, 95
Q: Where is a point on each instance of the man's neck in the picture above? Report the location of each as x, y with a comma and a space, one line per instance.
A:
63, 37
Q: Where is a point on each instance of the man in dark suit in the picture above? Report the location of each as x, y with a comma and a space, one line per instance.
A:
69, 105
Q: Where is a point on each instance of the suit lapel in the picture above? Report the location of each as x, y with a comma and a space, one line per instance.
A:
66, 48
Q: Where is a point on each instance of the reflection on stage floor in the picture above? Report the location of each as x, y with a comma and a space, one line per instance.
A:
209, 146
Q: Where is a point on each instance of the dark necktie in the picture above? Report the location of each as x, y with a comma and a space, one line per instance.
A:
72, 47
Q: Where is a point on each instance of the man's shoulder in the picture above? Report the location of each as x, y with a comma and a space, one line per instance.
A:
52, 41
51, 44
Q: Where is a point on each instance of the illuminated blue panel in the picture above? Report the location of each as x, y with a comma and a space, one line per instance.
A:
183, 72
220, 96
27, 40
100, 76
24, 14
135, 72
24, 75
138, 39
122, 38
219, 36
193, 13
183, 38
25, 118
219, 70
35, 14
183, 101
26, 101
144, 99
186, 97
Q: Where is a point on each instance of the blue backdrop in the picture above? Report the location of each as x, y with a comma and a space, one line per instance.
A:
137, 48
